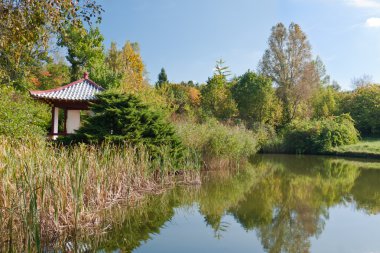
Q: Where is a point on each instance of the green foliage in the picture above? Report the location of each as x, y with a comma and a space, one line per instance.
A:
102, 74
256, 99
219, 145
181, 98
319, 135
217, 99
21, 116
51, 75
288, 62
324, 103
363, 105
120, 119
26, 28
84, 48
162, 78
127, 66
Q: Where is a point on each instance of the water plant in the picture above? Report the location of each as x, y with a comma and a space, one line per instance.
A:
48, 190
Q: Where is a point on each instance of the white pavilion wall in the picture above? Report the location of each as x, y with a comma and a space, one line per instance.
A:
73, 121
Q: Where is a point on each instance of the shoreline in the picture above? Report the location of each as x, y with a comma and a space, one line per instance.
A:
332, 154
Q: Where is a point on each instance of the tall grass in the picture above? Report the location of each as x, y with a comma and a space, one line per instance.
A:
220, 146
47, 191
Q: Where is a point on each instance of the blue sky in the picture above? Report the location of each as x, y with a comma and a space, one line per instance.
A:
186, 37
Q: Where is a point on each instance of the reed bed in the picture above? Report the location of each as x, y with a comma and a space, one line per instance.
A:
47, 191
221, 147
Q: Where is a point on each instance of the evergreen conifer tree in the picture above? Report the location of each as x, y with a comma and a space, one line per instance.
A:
124, 119
162, 78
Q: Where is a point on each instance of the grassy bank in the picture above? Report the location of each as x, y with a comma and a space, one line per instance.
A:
369, 147
46, 191
366, 148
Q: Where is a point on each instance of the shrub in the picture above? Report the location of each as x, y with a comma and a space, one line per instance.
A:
319, 135
21, 116
120, 119
364, 107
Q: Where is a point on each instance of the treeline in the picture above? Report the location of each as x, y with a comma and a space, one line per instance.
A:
290, 86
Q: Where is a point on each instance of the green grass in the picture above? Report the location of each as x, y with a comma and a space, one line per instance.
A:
366, 146
220, 146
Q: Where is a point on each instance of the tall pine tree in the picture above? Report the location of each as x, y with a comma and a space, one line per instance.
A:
162, 78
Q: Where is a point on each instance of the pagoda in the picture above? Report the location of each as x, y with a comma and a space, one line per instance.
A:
72, 99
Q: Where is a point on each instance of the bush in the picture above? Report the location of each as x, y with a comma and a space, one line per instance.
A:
364, 107
319, 135
120, 119
21, 116
218, 144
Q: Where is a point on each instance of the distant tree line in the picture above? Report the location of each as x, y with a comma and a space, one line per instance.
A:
288, 85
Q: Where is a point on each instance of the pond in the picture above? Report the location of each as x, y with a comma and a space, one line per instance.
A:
278, 203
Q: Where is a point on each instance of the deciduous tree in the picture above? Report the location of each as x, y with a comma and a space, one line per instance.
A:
217, 98
324, 103
84, 48
256, 99
133, 68
363, 105
288, 62
26, 27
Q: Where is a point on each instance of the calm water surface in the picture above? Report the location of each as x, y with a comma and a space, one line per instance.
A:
277, 204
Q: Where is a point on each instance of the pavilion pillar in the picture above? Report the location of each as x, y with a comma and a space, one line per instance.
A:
65, 122
54, 120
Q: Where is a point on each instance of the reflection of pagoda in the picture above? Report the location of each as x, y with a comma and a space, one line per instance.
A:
71, 98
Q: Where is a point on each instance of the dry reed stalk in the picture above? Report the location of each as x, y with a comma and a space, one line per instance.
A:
47, 191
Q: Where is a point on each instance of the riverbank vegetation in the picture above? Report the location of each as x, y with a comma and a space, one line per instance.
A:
48, 190
315, 136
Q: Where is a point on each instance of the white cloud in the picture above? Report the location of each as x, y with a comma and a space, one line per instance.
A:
373, 22
364, 3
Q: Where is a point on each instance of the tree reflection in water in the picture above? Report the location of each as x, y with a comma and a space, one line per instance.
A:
290, 206
284, 199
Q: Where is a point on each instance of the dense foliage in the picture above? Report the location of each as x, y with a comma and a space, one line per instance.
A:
26, 29
256, 100
363, 104
288, 62
319, 135
182, 98
84, 49
217, 98
21, 116
324, 103
119, 119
